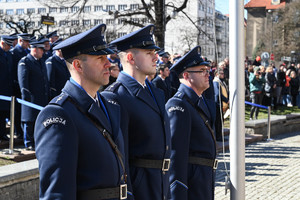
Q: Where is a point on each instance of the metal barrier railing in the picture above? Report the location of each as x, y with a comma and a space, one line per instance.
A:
269, 117
12, 119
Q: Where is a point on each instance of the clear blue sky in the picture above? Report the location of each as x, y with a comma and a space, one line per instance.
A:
223, 5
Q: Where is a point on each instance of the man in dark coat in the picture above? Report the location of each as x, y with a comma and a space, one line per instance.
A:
5, 82
19, 51
57, 72
162, 80
32, 76
193, 158
79, 143
144, 121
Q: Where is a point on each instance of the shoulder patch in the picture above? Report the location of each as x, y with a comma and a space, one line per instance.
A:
54, 120
113, 86
60, 99
174, 108
179, 95
112, 102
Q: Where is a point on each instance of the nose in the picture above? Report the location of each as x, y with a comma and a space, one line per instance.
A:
107, 63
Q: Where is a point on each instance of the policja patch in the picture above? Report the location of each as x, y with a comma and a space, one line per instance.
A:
54, 120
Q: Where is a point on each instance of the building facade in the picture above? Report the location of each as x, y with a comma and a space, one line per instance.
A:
195, 26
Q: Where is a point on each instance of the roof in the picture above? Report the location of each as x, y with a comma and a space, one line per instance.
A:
264, 4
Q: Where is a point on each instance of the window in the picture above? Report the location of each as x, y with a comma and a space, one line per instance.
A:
86, 22
135, 20
1, 25
75, 22
63, 9
144, 20
134, 6
110, 7
31, 24
1, 11
63, 23
122, 7
20, 11
121, 34
9, 11
41, 10
87, 9
121, 20
9, 0
98, 21
201, 7
30, 10
98, 8
110, 21
52, 10
74, 9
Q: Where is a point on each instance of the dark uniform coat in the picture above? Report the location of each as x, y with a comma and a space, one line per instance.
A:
164, 85
73, 155
190, 137
34, 85
18, 52
146, 131
6, 87
57, 73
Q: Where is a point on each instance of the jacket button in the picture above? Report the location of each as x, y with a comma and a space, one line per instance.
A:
167, 147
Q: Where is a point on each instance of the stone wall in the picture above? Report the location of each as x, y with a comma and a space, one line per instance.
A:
20, 181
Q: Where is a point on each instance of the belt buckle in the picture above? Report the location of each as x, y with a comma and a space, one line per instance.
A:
123, 191
166, 165
215, 164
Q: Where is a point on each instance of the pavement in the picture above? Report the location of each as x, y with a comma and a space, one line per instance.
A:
272, 169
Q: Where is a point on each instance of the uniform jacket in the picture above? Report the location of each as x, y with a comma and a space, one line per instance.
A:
34, 85
18, 52
5, 78
164, 85
190, 137
146, 131
73, 155
57, 73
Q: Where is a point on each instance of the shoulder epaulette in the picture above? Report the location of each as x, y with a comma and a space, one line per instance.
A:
60, 99
113, 86
179, 95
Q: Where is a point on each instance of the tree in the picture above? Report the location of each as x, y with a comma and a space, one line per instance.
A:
286, 30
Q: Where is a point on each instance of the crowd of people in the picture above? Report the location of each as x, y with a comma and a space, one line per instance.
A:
272, 86
149, 120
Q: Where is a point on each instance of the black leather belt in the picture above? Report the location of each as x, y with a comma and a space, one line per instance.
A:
164, 164
105, 193
204, 161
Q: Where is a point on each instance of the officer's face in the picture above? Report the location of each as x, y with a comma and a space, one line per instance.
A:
166, 72
4, 46
47, 46
199, 77
145, 61
37, 52
95, 69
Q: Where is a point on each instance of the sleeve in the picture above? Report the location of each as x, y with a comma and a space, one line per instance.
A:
51, 77
56, 142
23, 78
180, 125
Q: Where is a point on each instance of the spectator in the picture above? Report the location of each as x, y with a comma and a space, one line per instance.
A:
286, 90
270, 86
257, 61
294, 87
114, 71
256, 90
221, 95
280, 84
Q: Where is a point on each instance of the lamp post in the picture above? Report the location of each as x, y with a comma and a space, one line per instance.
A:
271, 43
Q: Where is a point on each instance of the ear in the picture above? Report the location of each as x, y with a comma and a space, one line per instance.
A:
77, 65
130, 58
185, 75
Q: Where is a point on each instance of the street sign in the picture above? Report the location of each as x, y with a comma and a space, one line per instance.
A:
265, 59
272, 56
47, 20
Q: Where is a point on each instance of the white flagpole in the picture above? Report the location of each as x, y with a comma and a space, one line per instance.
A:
237, 99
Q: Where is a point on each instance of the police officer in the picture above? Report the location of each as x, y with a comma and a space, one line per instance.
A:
5, 82
47, 50
144, 122
193, 156
57, 71
18, 52
32, 76
79, 143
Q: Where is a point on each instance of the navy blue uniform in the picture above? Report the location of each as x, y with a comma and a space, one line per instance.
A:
190, 138
57, 73
73, 154
164, 85
146, 131
18, 52
5, 87
34, 87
